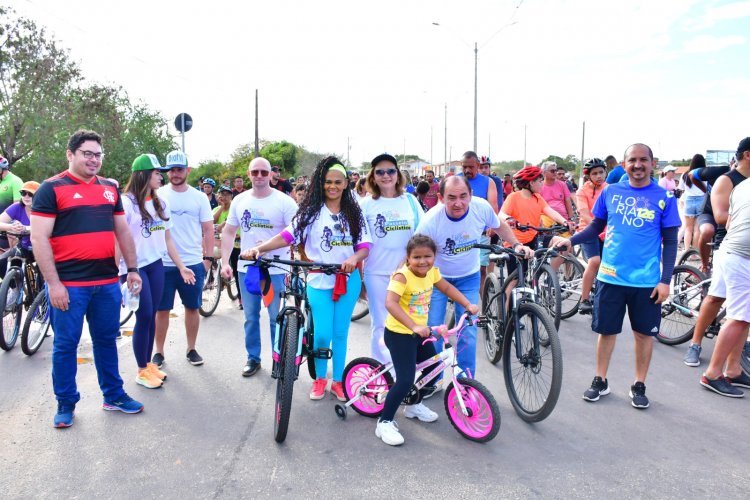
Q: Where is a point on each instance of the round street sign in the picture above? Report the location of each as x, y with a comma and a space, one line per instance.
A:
188, 121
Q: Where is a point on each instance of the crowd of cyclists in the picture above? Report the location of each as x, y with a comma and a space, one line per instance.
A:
394, 236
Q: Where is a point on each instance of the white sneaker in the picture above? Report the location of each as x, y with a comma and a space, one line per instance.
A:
388, 432
421, 412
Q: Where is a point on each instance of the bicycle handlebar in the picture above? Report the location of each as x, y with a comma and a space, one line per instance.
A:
269, 261
557, 228
443, 331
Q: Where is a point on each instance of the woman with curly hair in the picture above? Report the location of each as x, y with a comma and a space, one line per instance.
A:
330, 227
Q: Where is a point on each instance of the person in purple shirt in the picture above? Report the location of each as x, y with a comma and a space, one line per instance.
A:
16, 218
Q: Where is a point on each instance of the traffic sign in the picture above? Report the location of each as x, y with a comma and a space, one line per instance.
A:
183, 122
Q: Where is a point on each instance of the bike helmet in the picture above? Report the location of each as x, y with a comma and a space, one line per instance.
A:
4, 165
210, 181
485, 160
528, 173
593, 163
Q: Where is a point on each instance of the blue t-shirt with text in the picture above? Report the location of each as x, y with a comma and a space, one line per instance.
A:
635, 218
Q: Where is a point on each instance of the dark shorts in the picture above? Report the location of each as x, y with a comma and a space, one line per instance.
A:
190, 294
609, 309
592, 248
706, 219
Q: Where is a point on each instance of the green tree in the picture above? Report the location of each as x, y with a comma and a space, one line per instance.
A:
213, 169
570, 163
507, 167
283, 154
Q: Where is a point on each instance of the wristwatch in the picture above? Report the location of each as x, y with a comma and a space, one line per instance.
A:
210, 259
132, 270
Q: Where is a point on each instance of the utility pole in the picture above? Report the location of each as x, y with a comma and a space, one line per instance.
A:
348, 148
257, 148
445, 165
430, 146
583, 144
476, 52
524, 145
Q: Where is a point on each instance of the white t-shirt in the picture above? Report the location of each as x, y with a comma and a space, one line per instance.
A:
691, 191
391, 222
327, 240
149, 239
189, 209
454, 238
260, 219
737, 239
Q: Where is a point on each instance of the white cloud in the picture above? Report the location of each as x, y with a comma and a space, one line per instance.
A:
705, 44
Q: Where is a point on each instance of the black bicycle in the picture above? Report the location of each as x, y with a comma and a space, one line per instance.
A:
293, 342
20, 290
524, 335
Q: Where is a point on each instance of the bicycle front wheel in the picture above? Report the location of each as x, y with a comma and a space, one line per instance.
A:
361, 309
285, 381
690, 257
36, 325
532, 363
371, 397
11, 298
482, 422
679, 312
492, 331
570, 276
547, 288
211, 291
232, 288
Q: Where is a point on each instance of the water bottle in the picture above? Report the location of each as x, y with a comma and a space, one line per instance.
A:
131, 301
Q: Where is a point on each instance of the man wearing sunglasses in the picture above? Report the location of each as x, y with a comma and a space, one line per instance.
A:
10, 188
260, 213
277, 182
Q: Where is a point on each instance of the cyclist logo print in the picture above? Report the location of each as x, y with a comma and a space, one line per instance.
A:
390, 221
255, 218
634, 210
458, 243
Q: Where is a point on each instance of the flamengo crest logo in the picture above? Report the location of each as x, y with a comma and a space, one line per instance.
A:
109, 196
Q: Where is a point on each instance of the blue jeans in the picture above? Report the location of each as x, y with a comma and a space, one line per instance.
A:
467, 343
101, 307
251, 304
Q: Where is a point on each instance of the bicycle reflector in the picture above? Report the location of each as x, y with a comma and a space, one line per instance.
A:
257, 279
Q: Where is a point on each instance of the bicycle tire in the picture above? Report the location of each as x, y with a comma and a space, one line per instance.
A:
231, 287
356, 373
11, 287
533, 404
493, 316
36, 325
548, 292
285, 380
361, 309
483, 422
570, 287
211, 293
125, 314
310, 342
677, 327
690, 257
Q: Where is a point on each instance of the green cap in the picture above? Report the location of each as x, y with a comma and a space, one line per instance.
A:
146, 162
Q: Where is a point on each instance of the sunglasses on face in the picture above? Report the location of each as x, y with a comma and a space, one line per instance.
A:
26, 193
259, 173
390, 172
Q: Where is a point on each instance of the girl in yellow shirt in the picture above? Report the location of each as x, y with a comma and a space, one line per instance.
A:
408, 304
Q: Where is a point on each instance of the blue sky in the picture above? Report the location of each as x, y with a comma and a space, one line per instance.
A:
670, 73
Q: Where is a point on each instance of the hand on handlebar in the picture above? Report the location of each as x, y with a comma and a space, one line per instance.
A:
422, 331
251, 254
349, 264
571, 225
561, 244
472, 309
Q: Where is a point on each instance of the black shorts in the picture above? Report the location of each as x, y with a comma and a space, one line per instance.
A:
706, 219
609, 309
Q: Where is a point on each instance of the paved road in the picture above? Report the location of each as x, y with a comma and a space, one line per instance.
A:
208, 434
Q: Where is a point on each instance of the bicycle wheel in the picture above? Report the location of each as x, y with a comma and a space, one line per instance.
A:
483, 420
211, 291
361, 309
372, 396
570, 277
11, 297
285, 381
36, 325
309, 341
125, 314
548, 292
532, 379
230, 285
492, 331
690, 257
680, 311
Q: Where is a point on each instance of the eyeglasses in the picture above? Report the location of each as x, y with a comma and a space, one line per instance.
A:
26, 193
390, 172
259, 173
90, 155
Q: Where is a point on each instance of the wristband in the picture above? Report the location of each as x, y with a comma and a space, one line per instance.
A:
132, 270
210, 259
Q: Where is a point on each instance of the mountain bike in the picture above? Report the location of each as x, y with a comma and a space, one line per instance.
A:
19, 290
213, 283
471, 408
293, 342
523, 335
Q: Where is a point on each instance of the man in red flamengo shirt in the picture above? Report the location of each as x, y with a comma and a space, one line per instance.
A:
75, 218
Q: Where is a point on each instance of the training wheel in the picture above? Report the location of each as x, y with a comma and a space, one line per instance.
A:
341, 411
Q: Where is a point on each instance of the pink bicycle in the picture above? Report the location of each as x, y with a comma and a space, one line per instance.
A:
470, 406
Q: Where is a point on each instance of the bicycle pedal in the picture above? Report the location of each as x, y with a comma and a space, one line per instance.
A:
322, 353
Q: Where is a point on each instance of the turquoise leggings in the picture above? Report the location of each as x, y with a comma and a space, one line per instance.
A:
331, 321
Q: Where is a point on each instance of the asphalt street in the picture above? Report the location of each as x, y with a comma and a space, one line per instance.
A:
208, 433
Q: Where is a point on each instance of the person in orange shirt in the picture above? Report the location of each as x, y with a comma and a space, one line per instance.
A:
586, 196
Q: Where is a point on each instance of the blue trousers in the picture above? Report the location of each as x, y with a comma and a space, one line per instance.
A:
467, 343
144, 330
251, 305
101, 306
331, 321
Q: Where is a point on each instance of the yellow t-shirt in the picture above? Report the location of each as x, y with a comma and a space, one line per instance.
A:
415, 298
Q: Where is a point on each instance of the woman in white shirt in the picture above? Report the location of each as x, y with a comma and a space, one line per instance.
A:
392, 216
330, 225
691, 199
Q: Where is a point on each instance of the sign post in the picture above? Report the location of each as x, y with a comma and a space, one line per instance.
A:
183, 123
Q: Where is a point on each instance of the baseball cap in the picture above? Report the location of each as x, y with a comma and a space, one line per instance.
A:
257, 279
176, 158
276, 168
30, 186
669, 168
225, 189
743, 146
383, 157
146, 162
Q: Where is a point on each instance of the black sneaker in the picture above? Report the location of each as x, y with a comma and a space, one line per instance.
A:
158, 360
598, 388
585, 307
638, 396
194, 358
741, 380
251, 368
721, 386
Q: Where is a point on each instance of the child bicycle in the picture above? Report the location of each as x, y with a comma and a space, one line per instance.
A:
470, 406
293, 342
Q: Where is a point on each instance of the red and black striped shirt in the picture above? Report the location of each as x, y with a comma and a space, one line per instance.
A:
83, 238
